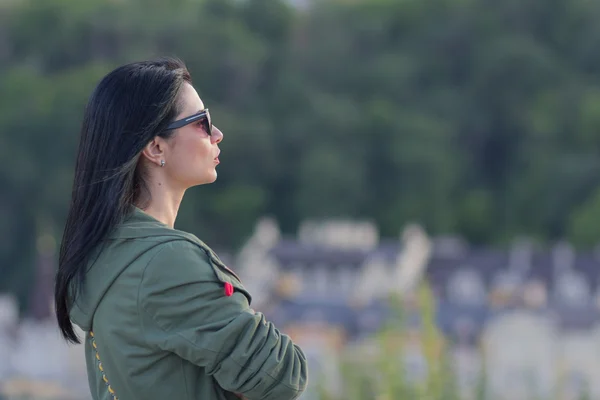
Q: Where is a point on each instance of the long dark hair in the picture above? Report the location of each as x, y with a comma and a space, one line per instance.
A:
130, 106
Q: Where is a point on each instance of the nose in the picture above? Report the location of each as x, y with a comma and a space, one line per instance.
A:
216, 136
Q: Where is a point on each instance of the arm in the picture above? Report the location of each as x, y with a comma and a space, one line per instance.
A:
245, 354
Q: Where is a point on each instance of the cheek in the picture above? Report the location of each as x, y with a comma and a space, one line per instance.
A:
193, 149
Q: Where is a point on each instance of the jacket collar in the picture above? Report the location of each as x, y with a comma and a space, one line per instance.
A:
138, 224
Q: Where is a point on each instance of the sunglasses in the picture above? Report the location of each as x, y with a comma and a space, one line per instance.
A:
203, 116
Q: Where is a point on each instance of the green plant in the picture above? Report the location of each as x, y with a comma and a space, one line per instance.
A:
377, 368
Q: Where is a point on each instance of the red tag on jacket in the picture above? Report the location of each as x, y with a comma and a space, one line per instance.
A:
228, 289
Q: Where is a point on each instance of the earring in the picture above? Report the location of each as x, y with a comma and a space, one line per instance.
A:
162, 163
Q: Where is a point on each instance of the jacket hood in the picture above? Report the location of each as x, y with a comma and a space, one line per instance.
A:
115, 255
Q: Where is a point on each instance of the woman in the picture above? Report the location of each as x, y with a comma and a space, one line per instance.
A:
164, 317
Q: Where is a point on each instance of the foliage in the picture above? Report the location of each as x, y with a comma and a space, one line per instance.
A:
382, 372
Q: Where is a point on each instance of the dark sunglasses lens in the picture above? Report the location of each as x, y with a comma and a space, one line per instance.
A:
208, 123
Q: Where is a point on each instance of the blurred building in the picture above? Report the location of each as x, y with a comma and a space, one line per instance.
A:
527, 316
335, 273
328, 287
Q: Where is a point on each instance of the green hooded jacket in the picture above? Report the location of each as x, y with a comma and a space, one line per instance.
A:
166, 319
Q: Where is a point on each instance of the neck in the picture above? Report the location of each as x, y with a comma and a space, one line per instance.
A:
163, 204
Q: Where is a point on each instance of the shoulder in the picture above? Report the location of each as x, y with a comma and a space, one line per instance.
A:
177, 267
179, 255
183, 277
184, 261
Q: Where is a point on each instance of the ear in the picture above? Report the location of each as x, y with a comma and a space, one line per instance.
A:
154, 151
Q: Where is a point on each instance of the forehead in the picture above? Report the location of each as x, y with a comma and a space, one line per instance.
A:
190, 101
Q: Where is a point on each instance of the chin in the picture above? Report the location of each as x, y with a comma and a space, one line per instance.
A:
209, 178
204, 179
212, 179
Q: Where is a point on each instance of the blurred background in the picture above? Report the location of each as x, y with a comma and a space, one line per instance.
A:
410, 188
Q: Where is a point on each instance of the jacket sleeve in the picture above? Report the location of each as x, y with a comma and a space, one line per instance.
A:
181, 294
